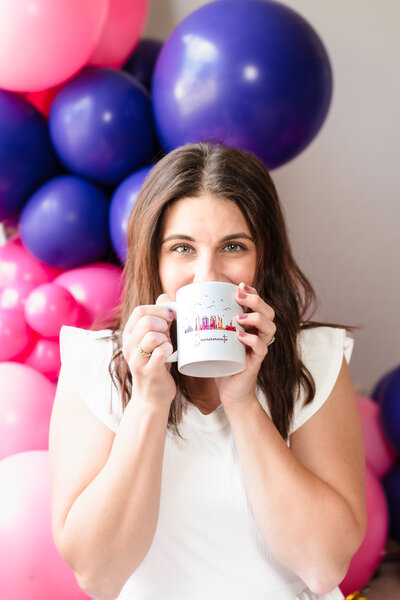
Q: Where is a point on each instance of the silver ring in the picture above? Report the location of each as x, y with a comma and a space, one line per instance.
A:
143, 353
271, 341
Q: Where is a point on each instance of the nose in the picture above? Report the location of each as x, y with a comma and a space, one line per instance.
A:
206, 268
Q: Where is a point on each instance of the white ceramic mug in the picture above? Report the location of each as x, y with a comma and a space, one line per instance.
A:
207, 340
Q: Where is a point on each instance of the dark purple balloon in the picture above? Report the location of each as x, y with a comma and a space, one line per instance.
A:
389, 409
142, 61
122, 203
381, 386
65, 223
253, 74
26, 155
391, 484
101, 125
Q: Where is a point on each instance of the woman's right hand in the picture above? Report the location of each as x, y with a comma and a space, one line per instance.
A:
148, 329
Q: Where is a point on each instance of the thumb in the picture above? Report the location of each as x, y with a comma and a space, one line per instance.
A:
163, 298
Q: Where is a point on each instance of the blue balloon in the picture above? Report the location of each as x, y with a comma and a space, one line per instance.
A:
142, 61
26, 155
65, 223
391, 484
253, 74
121, 206
380, 386
389, 409
101, 125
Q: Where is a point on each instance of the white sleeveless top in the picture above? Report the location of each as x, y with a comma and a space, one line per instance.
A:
207, 545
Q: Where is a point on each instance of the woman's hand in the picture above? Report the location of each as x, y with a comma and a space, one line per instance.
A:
146, 344
258, 322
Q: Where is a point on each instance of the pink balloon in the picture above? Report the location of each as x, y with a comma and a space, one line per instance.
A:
45, 358
14, 333
50, 306
44, 42
369, 555
379, 454
26, 401
121, 32
97, 287
30, 566
18, 265
13, 296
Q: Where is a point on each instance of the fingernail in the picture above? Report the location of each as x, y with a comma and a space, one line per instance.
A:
171, 314
246, 287
242, 316
242, 333
242, 295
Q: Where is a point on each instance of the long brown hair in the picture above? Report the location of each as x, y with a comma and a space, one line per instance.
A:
221, 171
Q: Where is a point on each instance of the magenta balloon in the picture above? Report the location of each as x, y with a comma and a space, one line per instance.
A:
121, 31
45, 358
379, 454
49, 307
26, 400
18, 265
14, 333
97, 287
13, 296
369, 555
30, 566
44, 42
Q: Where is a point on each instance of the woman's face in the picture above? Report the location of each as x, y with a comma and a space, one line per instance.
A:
205, 239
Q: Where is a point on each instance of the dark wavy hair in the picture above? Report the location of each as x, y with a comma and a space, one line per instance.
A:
215, 169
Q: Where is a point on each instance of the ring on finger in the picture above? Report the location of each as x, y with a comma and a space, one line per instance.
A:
143, 352
271, 341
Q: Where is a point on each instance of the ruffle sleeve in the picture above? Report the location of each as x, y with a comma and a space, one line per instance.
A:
322, 350
85, 358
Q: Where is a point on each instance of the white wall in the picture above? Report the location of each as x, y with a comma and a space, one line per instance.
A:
342, 194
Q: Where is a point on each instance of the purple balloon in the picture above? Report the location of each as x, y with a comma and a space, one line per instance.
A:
101, 125
142, 61
252, 74
391, 484
389, 409
65, 223
121, 206
26, 155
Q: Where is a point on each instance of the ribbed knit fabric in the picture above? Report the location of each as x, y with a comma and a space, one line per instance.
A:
207, 545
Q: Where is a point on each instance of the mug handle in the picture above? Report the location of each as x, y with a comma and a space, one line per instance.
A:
174, 356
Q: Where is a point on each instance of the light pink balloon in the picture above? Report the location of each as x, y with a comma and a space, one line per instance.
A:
30, 566
368, 557
43, 42
121, 31
18, 265
379, 454
15, 335
26, 401
13, 296
45, 358
50, 306
97, 287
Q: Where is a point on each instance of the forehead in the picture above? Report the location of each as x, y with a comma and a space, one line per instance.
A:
206, 210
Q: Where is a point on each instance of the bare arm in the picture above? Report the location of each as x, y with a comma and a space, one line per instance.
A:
105, 489
309, 500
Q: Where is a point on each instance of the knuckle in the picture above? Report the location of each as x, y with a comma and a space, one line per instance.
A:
152, 339
148, 321
138, 312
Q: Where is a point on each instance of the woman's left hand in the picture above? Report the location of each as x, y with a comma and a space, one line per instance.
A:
257, 319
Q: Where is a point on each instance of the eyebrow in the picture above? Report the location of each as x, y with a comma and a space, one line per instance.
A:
182, 236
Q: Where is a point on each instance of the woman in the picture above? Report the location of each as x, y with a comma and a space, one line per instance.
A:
242, 487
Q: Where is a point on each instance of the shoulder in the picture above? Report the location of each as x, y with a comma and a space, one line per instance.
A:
86, 357
321, 350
